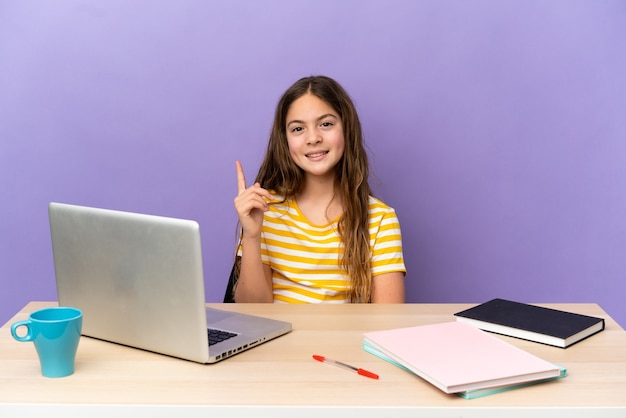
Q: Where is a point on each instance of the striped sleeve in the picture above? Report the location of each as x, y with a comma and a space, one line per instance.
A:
385, 239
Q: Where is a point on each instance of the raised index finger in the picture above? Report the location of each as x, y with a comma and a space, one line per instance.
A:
241, 178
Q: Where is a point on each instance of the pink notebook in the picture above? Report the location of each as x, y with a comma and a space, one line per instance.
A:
457, 357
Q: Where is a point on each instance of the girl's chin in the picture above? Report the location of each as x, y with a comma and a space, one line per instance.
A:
317, 174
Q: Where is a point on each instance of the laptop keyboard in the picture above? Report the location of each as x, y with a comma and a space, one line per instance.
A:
218, 335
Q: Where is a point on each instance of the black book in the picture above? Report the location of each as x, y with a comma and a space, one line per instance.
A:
530, 322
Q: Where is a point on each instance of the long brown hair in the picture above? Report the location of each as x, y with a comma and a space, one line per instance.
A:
279, 173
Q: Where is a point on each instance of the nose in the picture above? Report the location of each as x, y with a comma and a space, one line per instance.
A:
314, 138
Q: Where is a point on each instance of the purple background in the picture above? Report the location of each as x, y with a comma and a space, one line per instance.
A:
497, 129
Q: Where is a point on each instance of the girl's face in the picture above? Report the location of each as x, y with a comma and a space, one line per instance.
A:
314, 135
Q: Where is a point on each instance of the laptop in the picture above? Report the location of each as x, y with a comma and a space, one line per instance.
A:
139, 281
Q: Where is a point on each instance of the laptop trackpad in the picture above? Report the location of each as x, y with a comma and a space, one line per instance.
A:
216, 315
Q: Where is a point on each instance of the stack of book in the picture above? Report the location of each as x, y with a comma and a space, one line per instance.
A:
461, 359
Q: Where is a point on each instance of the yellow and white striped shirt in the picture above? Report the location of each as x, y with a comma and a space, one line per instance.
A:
305, 258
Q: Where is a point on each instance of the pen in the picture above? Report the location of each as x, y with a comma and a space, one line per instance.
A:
360, 371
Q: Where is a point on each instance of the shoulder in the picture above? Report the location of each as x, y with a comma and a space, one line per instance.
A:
382, 214
378, 206
279, 200
281, 208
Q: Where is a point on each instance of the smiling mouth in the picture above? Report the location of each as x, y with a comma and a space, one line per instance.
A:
316, 154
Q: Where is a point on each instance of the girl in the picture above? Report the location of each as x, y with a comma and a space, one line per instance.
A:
311, 230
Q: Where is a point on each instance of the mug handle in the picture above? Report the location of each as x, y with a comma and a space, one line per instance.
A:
15, 326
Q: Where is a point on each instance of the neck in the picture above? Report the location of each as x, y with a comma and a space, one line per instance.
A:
319, 201
318, 188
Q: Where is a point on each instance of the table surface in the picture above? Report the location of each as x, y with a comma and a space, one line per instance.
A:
282, 373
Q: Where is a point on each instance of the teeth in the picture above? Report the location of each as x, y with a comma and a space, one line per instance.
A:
319, 154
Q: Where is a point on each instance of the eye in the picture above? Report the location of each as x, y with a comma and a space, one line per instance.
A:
327, 124
296, 129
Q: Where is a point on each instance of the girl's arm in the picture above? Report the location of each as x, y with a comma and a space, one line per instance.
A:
388, 288
254, 283
255, 278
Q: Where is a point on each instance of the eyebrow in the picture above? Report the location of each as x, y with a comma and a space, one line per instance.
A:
317, 120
